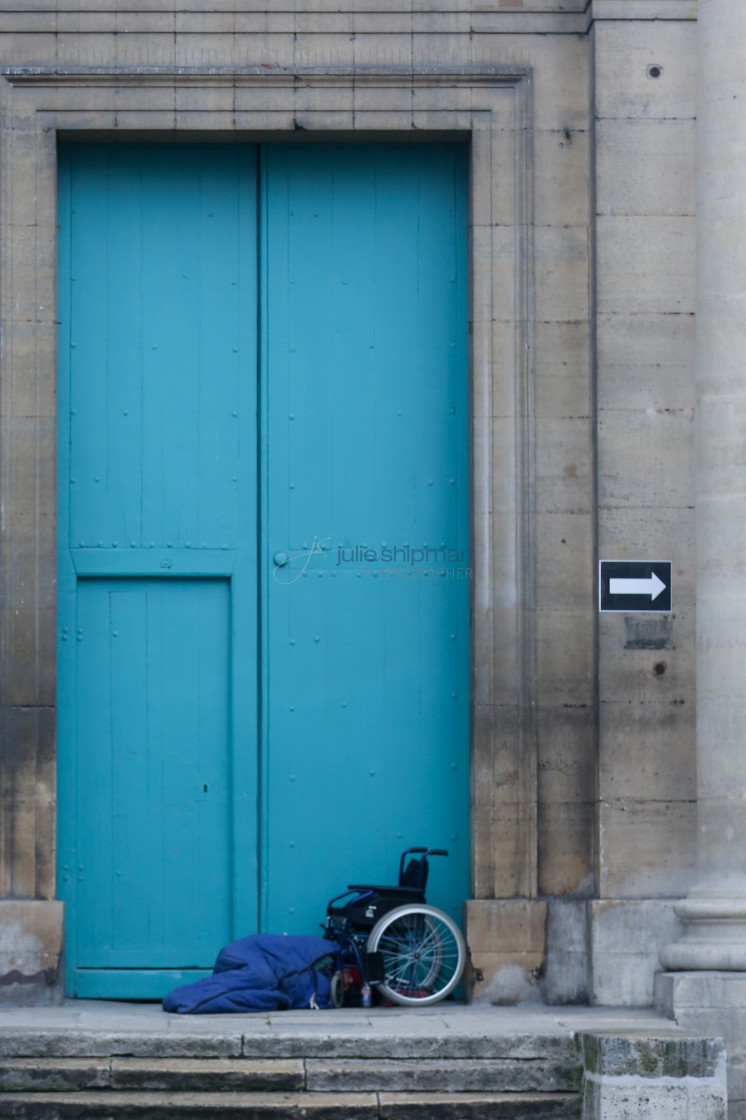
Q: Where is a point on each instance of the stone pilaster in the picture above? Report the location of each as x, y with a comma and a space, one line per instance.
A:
714, 911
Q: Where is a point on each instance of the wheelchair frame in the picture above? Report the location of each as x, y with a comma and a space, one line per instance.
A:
414, 953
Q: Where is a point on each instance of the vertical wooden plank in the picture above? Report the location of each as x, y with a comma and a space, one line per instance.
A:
88, 348
91, 871
122, 374
66, 580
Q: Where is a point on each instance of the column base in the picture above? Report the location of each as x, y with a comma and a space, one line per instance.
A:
31, 934
714, 938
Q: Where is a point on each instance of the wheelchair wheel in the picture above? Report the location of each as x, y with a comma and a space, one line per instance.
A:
338, 988
423, 951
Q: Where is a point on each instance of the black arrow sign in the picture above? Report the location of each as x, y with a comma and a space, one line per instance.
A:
632, 586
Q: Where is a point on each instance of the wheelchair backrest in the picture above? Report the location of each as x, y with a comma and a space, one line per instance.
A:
415, 874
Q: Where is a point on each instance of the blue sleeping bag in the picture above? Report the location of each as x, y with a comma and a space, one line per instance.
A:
264, 972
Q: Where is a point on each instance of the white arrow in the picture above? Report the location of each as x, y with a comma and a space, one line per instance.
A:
651, 586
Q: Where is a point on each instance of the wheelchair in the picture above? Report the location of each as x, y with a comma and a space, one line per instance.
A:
413, 953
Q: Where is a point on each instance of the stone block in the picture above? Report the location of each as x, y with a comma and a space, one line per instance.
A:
713, 1003
647, 849
648, 748
623, 53
31, 935
626, 938
564, 560
23, 1075
207, 1075
645, 264
567, 750
31, 162
703, 991
646, 457
32, 443
23, 48
30, 678
565, 831
567, 951
664, 1076
507, 943
62, 1042
565, 658
493, 260
646, 362
628, 533
562, 278
496, 765
562, 370
481, 1075
27, 801
492, 200
31, 390
645, 167
482, 1106
654, 1055
563, 465
562, 177
650, 658
231, 1106
499, 836
502, 432
561, 69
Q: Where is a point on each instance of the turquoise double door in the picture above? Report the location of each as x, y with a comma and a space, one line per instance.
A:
263, 542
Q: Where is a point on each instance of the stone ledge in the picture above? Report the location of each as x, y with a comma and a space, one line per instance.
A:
188, 1106
443, 1075
670, 1054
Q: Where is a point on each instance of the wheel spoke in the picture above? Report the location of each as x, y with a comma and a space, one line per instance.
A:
423, 954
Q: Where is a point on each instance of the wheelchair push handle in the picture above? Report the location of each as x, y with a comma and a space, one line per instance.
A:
422, 869
425, 851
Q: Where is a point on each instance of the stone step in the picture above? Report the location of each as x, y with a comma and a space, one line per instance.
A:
287, 1075
325, 1038
165, 1074
290, 1106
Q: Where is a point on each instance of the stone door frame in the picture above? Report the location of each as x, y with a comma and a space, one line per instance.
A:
489, 107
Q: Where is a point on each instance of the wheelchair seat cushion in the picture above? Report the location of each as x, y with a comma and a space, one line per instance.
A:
364, 911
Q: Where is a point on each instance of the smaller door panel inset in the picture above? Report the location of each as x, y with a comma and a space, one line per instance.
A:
153, 765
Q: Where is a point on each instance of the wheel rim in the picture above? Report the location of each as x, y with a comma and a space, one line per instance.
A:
423, 955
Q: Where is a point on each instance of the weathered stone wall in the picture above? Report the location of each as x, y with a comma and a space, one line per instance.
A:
582, 281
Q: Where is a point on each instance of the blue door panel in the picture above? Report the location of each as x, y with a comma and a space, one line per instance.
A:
158, 704
367, 732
